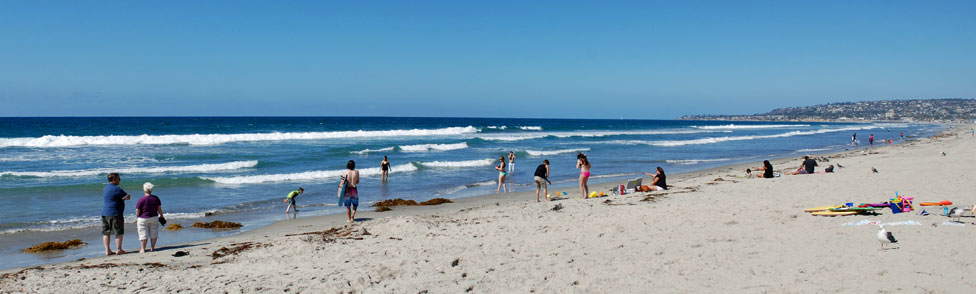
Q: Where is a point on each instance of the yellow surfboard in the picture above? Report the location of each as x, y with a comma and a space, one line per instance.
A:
822, 208
833, 213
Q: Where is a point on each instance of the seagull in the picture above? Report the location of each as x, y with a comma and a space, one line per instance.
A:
885, 237
874, 170
840, 166
956, 213
943, 154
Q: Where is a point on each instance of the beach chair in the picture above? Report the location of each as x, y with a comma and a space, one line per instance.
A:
633, 185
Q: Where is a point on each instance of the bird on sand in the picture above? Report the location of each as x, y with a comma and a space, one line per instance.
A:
955, 213
943, 154
874, 170
840, 166
885, 237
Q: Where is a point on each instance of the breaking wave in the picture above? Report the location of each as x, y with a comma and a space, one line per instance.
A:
201, 168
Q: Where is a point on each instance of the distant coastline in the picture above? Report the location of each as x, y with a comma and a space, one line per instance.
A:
904, 111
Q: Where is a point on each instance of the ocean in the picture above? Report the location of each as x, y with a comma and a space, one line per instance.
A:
52, 170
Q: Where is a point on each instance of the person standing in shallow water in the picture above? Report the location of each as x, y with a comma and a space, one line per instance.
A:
113, 222
511, 162
385, 166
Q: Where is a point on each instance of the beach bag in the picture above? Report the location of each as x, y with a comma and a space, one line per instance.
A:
162, 220
644, 188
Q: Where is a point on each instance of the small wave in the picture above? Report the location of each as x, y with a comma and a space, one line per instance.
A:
734, 126
497, 127
466, 163
90, 221
307, 176
216, 139
456, 189
365, 151
588, 134
812, 150
554, 152
713, 140
530, 128
433, 147
202, 168
694, 161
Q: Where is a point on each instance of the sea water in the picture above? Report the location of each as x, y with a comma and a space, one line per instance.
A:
52, 170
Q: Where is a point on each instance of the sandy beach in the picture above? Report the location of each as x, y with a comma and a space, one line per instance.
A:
712, 231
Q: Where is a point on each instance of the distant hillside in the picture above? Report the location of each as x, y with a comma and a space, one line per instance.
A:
927, 110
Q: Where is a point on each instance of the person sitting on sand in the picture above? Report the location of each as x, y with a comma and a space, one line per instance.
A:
113, 222
541, 177
501, 175
350, 199
807, 167
749, 173
767, 169
583, 165
291, 199
660, 181
148, 212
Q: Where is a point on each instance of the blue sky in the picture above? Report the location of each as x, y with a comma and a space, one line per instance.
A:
566, 59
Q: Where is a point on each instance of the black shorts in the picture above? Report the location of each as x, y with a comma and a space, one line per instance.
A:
113, 225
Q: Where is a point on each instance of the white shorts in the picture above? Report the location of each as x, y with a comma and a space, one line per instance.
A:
148, 228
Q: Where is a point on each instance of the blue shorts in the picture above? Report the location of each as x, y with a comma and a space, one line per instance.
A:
350, 201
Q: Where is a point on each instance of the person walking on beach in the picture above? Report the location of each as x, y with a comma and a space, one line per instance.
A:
584, 166
854, 139
541, 177
149, 212
291, 199
511, 161
901, 137
871, 140
348, 192
385, 166
113, 222
501, 174
660, 181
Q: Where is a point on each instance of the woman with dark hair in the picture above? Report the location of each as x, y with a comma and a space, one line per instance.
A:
348, 192
584, 166
501, 174
385, 166
660, 182
767, 169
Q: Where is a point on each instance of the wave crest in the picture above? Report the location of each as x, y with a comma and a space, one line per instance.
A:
433, 147
201, 168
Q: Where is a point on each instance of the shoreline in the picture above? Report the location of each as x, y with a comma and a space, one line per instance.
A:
367, 213
711, 229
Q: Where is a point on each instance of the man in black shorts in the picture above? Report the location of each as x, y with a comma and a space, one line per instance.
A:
113, 223
807, 167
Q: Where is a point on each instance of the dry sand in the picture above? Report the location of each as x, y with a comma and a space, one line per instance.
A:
711, 232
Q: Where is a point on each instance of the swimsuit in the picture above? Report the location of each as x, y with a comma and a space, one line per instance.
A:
502, 174
585, 174
385, 166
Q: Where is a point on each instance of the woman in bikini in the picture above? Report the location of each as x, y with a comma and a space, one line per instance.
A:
385, 166
501, 174
584, 166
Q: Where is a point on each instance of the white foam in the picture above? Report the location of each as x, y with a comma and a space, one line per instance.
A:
308, 176
531, 128
812, 150
201, 168
588, 134
497, 127
433, 147
91, 221
694, 161
364, 151
466, 163
713, 140
554, 152
215, 139
734, 126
